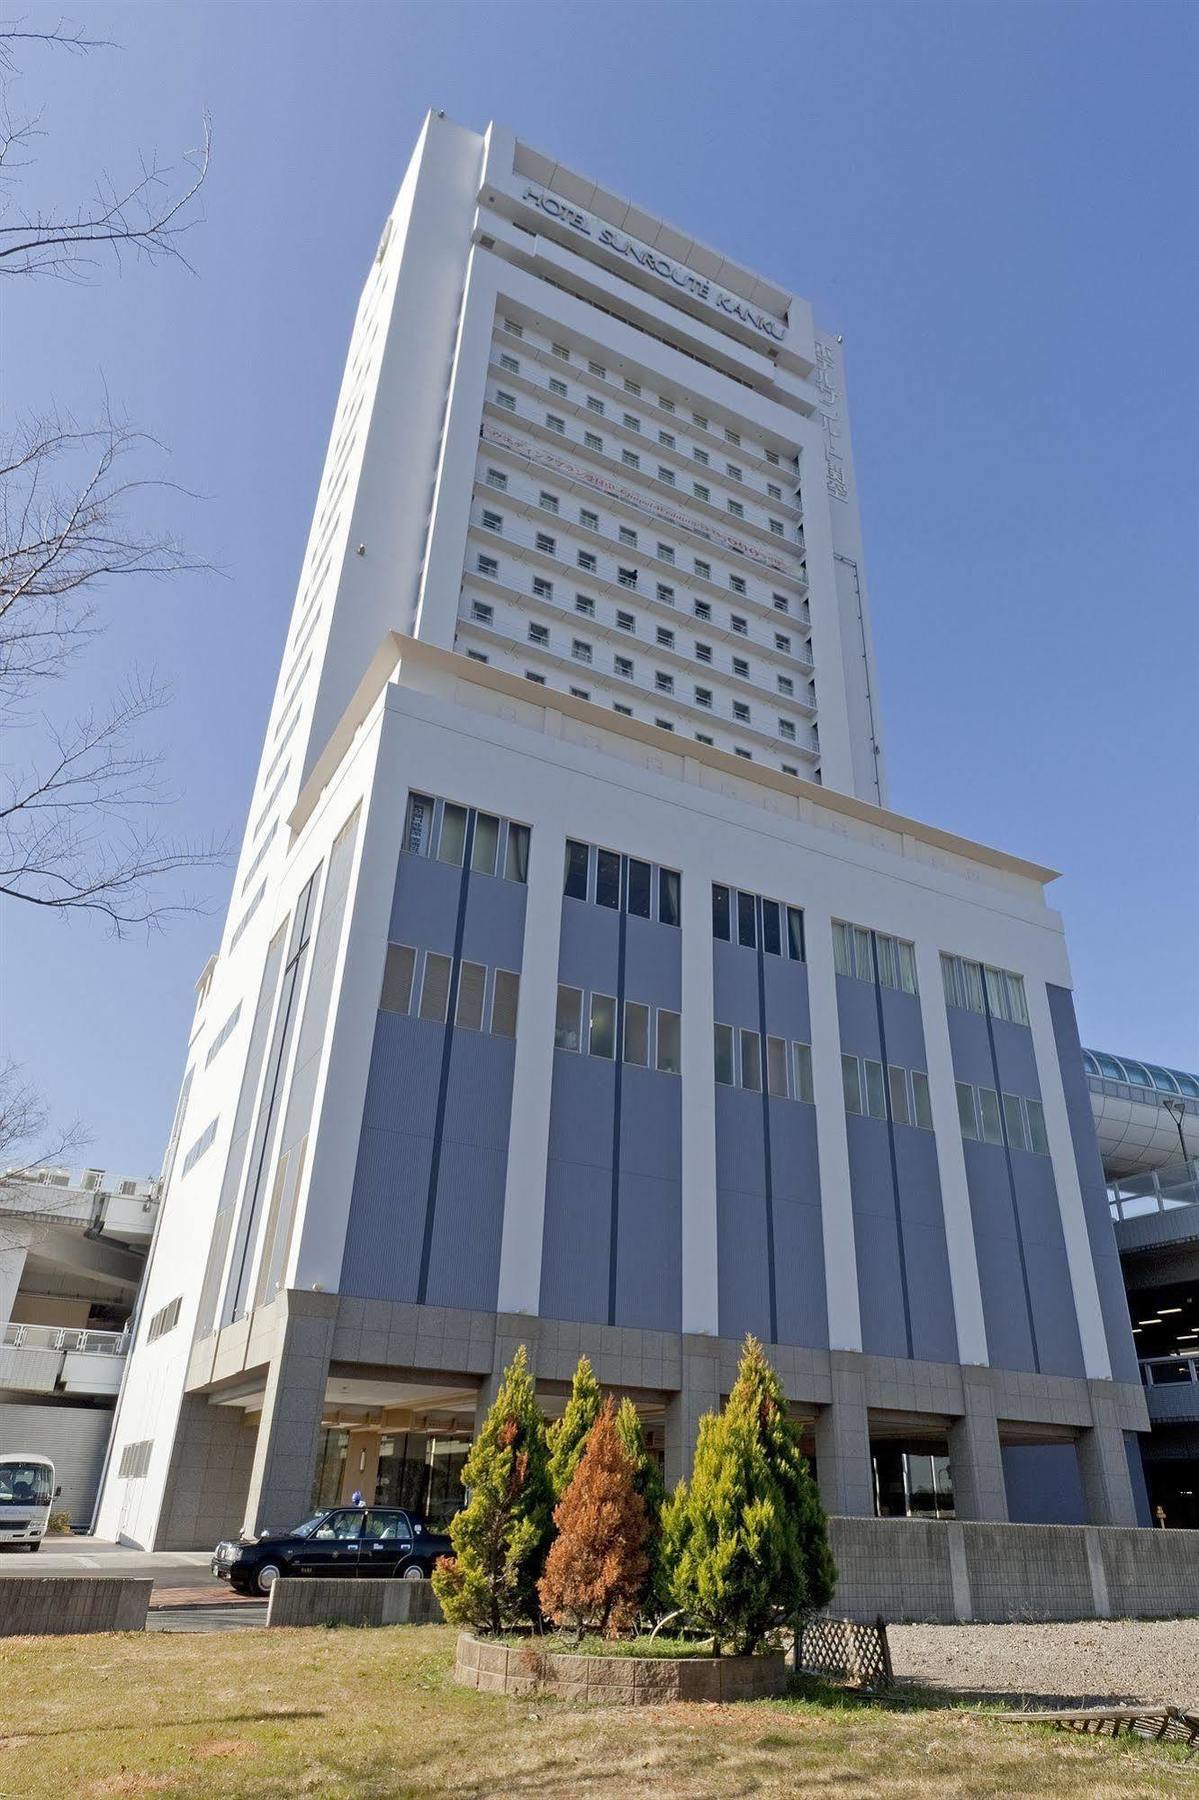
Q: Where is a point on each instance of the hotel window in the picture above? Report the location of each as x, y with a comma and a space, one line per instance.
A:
586, 560
772, 456
703, 569
663, 682
776, 1067
595, 368
593, 441
398, 970
628, 536
851, 1083
801, 1069
701, 737
623, 666
665, 594
435, 988
505, 999
580, 650
481, 613
533, 676
781, 603
631, 422
630, 459
601, 1035
665, 637
549, 502
737, 583
722, 1044
585, 604
581, 693
700, 492
782, 642
588, 519
625, 711
703, 653
472, 988
789, 768
493, 521
751, 1061
666, 439
547, 545
967, 1117
747, 926
738, 625
640, 882
852, 956
635, 1047
897, 1084
664, 724
733, 472
776, 526
773, 492
625, 621
787, 730
741, 667
554, 423
558, 387
669, 904
516, 329
785, 684
988, 1106
543, 589
699, 420
666, 552
730, 436
595, 404
496, 478
630, 386
568, 1019
922, 1106
876, 1099
666, 475
700, 456
627, 577
451, 845
487, 565
669, 1046
741, 712
703, 697
507, 401
736, 508
578, 858
666, 404
1037, 1136
477, 656
562, 351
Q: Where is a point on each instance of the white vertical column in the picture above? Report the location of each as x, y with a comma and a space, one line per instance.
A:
701, 1301
1081, 1263
951, 1162
836, 1204
14, 1248
532, 1080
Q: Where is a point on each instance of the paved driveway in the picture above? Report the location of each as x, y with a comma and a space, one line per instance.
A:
186, 1595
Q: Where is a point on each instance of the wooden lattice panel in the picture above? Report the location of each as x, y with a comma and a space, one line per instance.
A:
843, 1650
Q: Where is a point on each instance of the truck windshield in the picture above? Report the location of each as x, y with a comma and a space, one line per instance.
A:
24, 1484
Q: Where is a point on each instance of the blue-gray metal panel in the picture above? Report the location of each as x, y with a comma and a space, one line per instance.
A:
651, 1127
1044, 1486
735, 984
919, 1177
424, 907
857, 1013
930, 1297
581, 1104
904, 1028
800, 1298
387, 1213
464, 1261
970, 1046
649, 1282
1016, 1058
574, 1256
787, 1013
495, 922
1094, 1190
479, 1090
588, 949
740, 1143
401, 1089
880, 1288
653, 963
744, 1294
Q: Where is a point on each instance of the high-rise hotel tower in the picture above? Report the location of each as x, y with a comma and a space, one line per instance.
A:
578, 988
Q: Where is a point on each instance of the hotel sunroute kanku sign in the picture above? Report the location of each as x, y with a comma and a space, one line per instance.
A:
608, 238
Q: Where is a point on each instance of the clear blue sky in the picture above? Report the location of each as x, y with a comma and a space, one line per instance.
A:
994, 203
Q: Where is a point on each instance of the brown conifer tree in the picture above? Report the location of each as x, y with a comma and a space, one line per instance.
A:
596, 1572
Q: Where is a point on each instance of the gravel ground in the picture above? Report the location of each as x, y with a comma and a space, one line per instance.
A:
1116, 1660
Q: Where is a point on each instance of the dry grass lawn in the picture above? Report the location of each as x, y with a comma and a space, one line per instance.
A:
375, 1713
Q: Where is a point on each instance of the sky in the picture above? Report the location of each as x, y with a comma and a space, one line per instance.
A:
993, 202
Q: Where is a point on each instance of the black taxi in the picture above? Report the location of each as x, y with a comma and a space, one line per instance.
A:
347, 1542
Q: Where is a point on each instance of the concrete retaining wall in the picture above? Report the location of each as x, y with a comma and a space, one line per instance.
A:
58, 1605
298, 1601
616, 1680
945, 1571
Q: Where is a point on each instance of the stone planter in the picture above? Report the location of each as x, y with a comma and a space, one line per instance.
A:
616, 1680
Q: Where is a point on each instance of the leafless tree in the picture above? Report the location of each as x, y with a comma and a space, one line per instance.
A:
81, 799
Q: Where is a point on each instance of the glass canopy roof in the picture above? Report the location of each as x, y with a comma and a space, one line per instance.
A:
1139, 1074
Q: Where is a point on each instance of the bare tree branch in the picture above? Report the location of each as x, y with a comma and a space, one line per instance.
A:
24, 1119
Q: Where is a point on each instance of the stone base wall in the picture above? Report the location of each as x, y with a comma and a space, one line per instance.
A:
616, 1680
295, 1600
945, 1572
63, 1605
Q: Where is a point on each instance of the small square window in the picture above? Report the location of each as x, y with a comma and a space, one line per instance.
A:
666, 475
531, 675
736, 508
581, 693
562, 351
700, 456
701, 737
487, 565
700, 491
775, 492
786, 685
476, 656
593, 441
665, 594
580, 650
558, 387
666, 439
539, 634
664, 724
594, 368
776, 526
772, 456
631, 422
741, 712
543, 589
493, 521
547, 545
496, 478
782, 642
481, 613
663, 682
510, 364
787, 730
507, 401
623, 666
741, 667
625, 711
699, 420
586, 560
554, 423
666, 637
703, 653
628, 536
731, 437
549, 502
589, 520
666, 553
627, 577
733, 472
703, 697
737, 583
789, 768
703, 569
630, 459
625, 621
665, 404
739, 625
514, 327
781, 603
631, 387
585, 604
595, 404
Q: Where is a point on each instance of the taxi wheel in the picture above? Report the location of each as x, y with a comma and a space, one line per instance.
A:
266, 1577
412, 1572
33, 1548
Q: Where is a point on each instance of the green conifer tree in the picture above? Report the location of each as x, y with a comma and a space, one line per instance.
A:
814, 1573
502, 1535
568, 1435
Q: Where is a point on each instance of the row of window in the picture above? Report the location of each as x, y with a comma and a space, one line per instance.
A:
769, 924
443, 830
164, 1320
135, 1460
983, 989
871, 955
629, 576
420, 982
992, 1118
202, 1143
624, 883
665, 403
223, 1035
894, 1093
739, 1062
648, 1036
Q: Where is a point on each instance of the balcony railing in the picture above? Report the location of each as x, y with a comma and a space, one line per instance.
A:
65, 1337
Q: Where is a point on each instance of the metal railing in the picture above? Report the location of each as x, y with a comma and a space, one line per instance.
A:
65, 1337
1163, 1371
